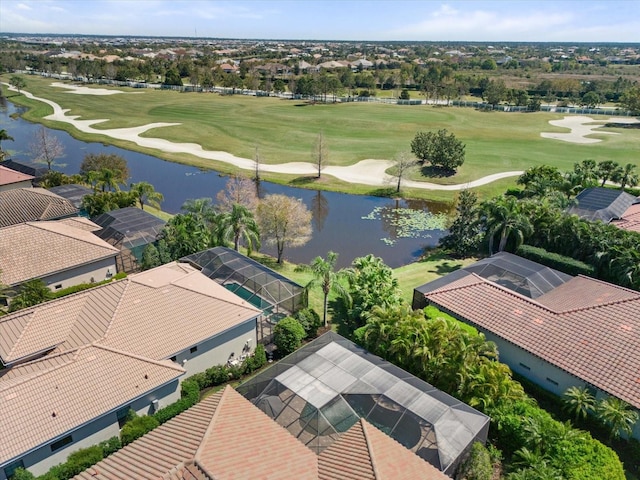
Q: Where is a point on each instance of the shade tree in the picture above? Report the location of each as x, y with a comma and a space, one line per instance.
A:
45, 147
441, 149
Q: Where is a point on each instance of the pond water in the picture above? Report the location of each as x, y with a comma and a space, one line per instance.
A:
351, 225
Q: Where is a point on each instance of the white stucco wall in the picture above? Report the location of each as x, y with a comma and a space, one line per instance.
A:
542, 373
218, 350
42, 459
89, 273
12, 186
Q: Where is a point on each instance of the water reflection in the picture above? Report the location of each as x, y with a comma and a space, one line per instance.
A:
338, 222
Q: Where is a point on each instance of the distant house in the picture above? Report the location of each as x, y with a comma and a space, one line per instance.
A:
225, 437
10, 179
584, 332
599, 203
362, 63
84, 360
33, 204
61, 253
130, 230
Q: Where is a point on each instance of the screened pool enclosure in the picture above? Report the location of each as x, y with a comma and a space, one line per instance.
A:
274, 294
131, 230
321, 390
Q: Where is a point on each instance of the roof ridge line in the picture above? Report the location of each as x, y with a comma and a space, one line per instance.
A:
162, 363
489, 283
55, 222
214, 418
72, 353
22, 333
369, 449
600, 305
246, 305
115, 310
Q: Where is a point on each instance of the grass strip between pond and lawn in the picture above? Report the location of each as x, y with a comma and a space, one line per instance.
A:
286, 131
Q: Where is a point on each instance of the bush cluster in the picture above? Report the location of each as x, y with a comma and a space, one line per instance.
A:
76, 463
310, 321
85, 286
565, 264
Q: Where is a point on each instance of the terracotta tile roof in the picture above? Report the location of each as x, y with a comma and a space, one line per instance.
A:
9, 176
31, 204
222, 437
230, 450
49, 398
81, 223
597, 343
226, 437
39, 249
585, 292
366, 453
175, 300
630, 219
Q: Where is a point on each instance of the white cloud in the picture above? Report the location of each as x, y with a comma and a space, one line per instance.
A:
23, 6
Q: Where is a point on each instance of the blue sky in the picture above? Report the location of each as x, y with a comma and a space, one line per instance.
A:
422, 20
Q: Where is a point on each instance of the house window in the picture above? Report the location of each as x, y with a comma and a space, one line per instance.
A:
63, 442
123, 416
552, 381
58, 286
10, 469
193, 350
526, 367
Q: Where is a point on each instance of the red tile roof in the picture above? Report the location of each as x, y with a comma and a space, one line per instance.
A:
226, 437
596, 341
366, 453
243, 442
9, 176
630, 219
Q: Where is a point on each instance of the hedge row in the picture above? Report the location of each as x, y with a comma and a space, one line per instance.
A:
76, 463
85, 286
567, 265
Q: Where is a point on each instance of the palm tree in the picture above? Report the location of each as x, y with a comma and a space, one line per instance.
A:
108, 179
202, 208
579, 401
618, 415
504, 216
587, 173
327, 278
628, 176
31, 293
92, 177
144, 191
3, 136
239, 223
608, 170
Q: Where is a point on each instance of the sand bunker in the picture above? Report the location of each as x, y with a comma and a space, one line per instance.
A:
366, 172
86, 90
579, 128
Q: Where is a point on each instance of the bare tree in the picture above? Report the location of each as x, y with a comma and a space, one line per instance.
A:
45, 147
284, 221
238, 190
320, 153
256, 159
403, 161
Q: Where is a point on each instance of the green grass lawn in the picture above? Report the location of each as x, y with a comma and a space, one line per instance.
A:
286, 130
